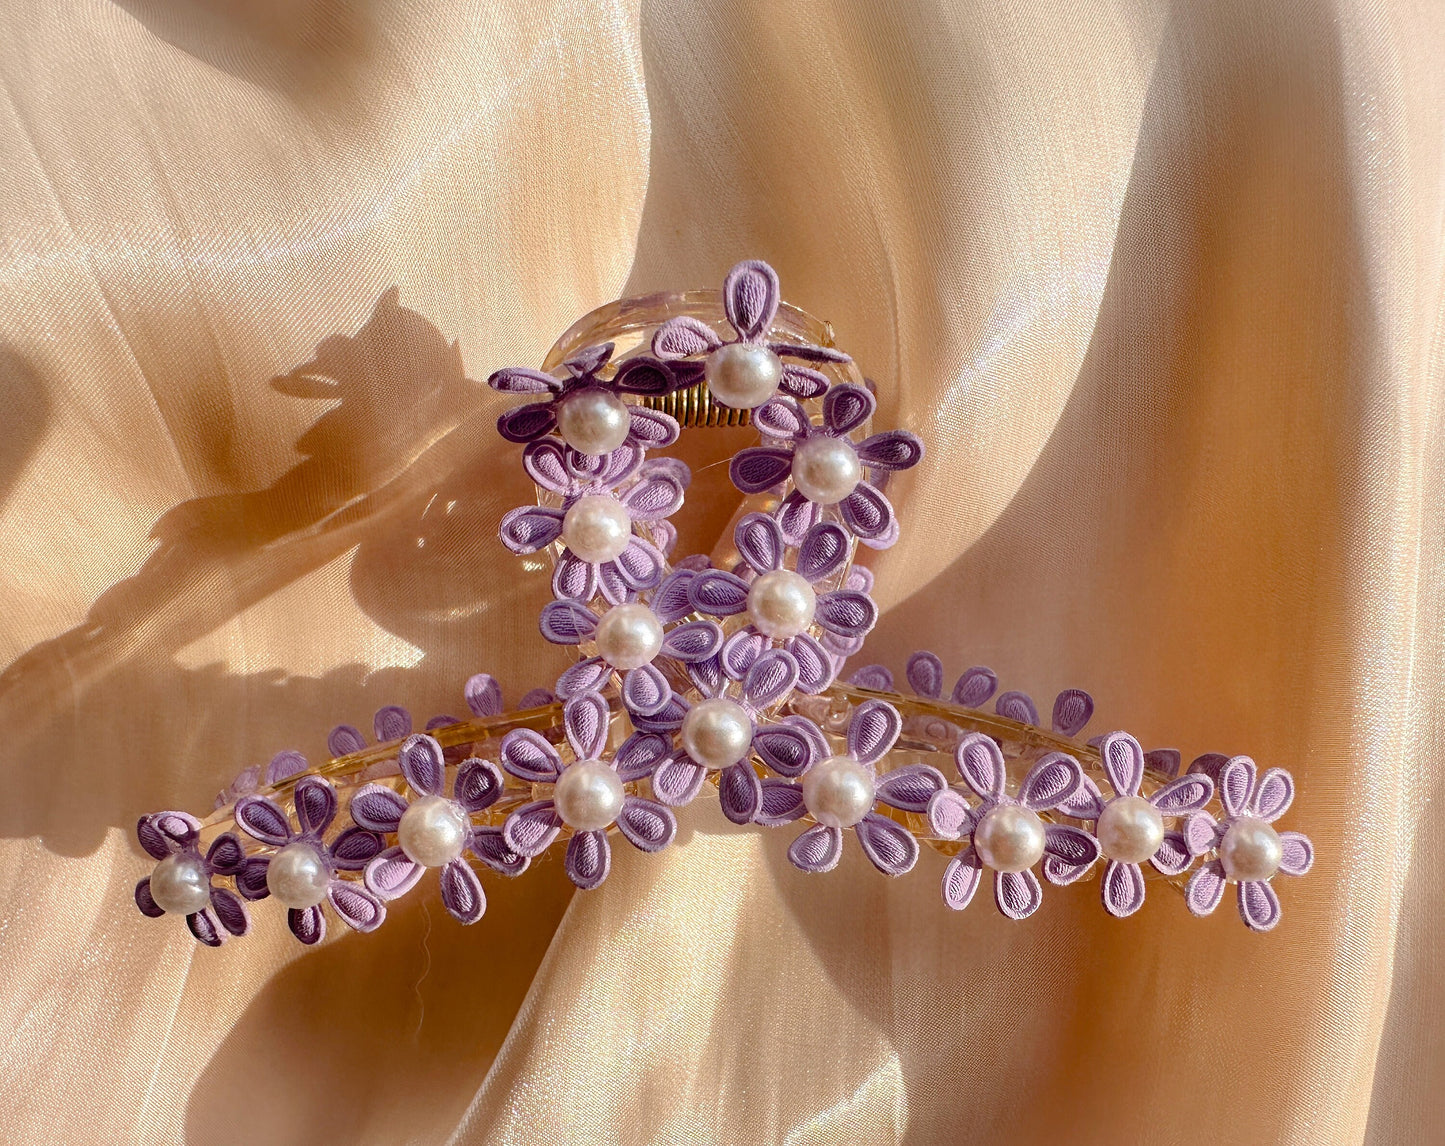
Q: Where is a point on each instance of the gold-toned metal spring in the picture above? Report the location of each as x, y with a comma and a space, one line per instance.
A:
694, 407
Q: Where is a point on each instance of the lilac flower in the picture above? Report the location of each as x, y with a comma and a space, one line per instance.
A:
1005, 832
433, 830
1247, 849
782, 603
1129, 827
745, 371
589, 794
720, 733
585, 407
595, 521
305, 865
183, 880
826, 468
629, 638
844, 792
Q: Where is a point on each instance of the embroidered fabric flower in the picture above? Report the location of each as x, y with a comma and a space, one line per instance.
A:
183, 880
1130, 827
720, 733
783, 603
844, 791
307, 866
751, 296
629, 639
282, 766
825, 466
582, 401
601, 550
1248, 850
589, 794
433, 830
1005, 832
1072, 710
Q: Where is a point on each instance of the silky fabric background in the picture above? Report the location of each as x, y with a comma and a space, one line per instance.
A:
1159, 284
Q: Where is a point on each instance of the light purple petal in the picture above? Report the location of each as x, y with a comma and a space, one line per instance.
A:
960, 879
606, 471
589, 360
796, 515
1187, 794
1205, 888
1017, 893
925, 674
587, 675
750, 298
207, 928
589, 858
791, 746
817, 849
867, 513
523, 380
741, 651
1073, 847
808, 352
694, 641
887, 843
949, 815
974, 687
640, 565
478, 784
545, 461
872, 730
163, 833
535, 698
1052, 780
567, 622
760, 468
671, 601
284, 765
1072, 709
462, 893
391, 874
423, 765
815, 666
667, 721
875, 677
530, 830
677, 780
391, 722
846, 612
1017, 706
801, 381
586, 720
1087, 802
1122, 888
648, 826
639, 755
1173, 856
1258, 905
315, 801
846, 407
718, 593
645, 691
356, 907
489, 845
823, 551
1298, 854
1235, 785
782, 418
759, 542
707, 675
781, 803
740, 792
654, 496
1272, 795
263, 819
1123, 761
345, 739
771, 677
911, 788
891, 450
652, 429
980, 763
574, 579
528, 756
1201, 832
530, 528
683, 337
1210, 763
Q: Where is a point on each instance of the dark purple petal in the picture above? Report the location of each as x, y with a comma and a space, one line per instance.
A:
791, 746
741, 650
1201, 832
823, 551
846, 407
667, 721
911, 788
606, 471
876, 677
750, 298
759, 542
645, 691
891, 450
478, 784
378, 808
589, 858
648, 826
528, 423
462, 893
230, 911
980, 763
251, 879
585, 676
640, 565
567, 622
1087, 802
226, 855
523, 380
1122, 888
796, 515
1017, 706
1017, 893
960, 879
1297, 853
315, 801
391, 874
530, 528
1072, 709
801, 382
782, 418
355, 847
162, 833
1272, 795
867, 513
423, 765
1050, 782
489, 845
808, 352
589, 360
345, 739
872, 730
887, 843
1164, 761
654, 496
206, 928
308, 924
648, 376
391, 722
718, 593
1187, 794
671, 601
974, 687
740, 792
574, 579
530, 830
145, 901
652, 429
1173, 856
925, 674
888, 538
528, 756
683, 337
639, 755
1073, 847
694, 641
356, 907
757, 469
846, 612
263, 819
780, 803
1210, 763
1205, 888
545, 461
1258, 905
284, 765
771, 677
815, 666
949, 815
585, 719
1235, 785
817, 849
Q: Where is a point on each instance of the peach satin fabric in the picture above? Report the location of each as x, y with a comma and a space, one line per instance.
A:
1160, 286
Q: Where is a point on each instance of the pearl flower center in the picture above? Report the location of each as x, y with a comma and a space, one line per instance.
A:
781, 604
433, 831
717, 732
589, 795
742, 375
629, 636
839, 792
1130, 829
597, 528
1009, 838
297, 876
180, 885
1250, 850
593, 421
826, 469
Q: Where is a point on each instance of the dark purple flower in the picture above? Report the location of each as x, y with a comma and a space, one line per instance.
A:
844, 791
825, 467
782, 603
1247, 849
746, 371
433, 830
303, 871
721, 733
183, 881
595, 523
1130, 827
584, 407
1005, 832
589, 793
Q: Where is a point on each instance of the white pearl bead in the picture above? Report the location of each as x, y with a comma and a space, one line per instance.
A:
781, 604
1250, 850
839, 792
597, 528
589, 795
433, 831
297, 876
826, 469
742, 375
717, 732
180, 885
629, 636
1010, 838
1130, 829
592, 421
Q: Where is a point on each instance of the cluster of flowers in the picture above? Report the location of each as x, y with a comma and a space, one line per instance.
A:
695, 674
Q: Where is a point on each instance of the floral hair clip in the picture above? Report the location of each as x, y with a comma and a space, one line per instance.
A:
718, 673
